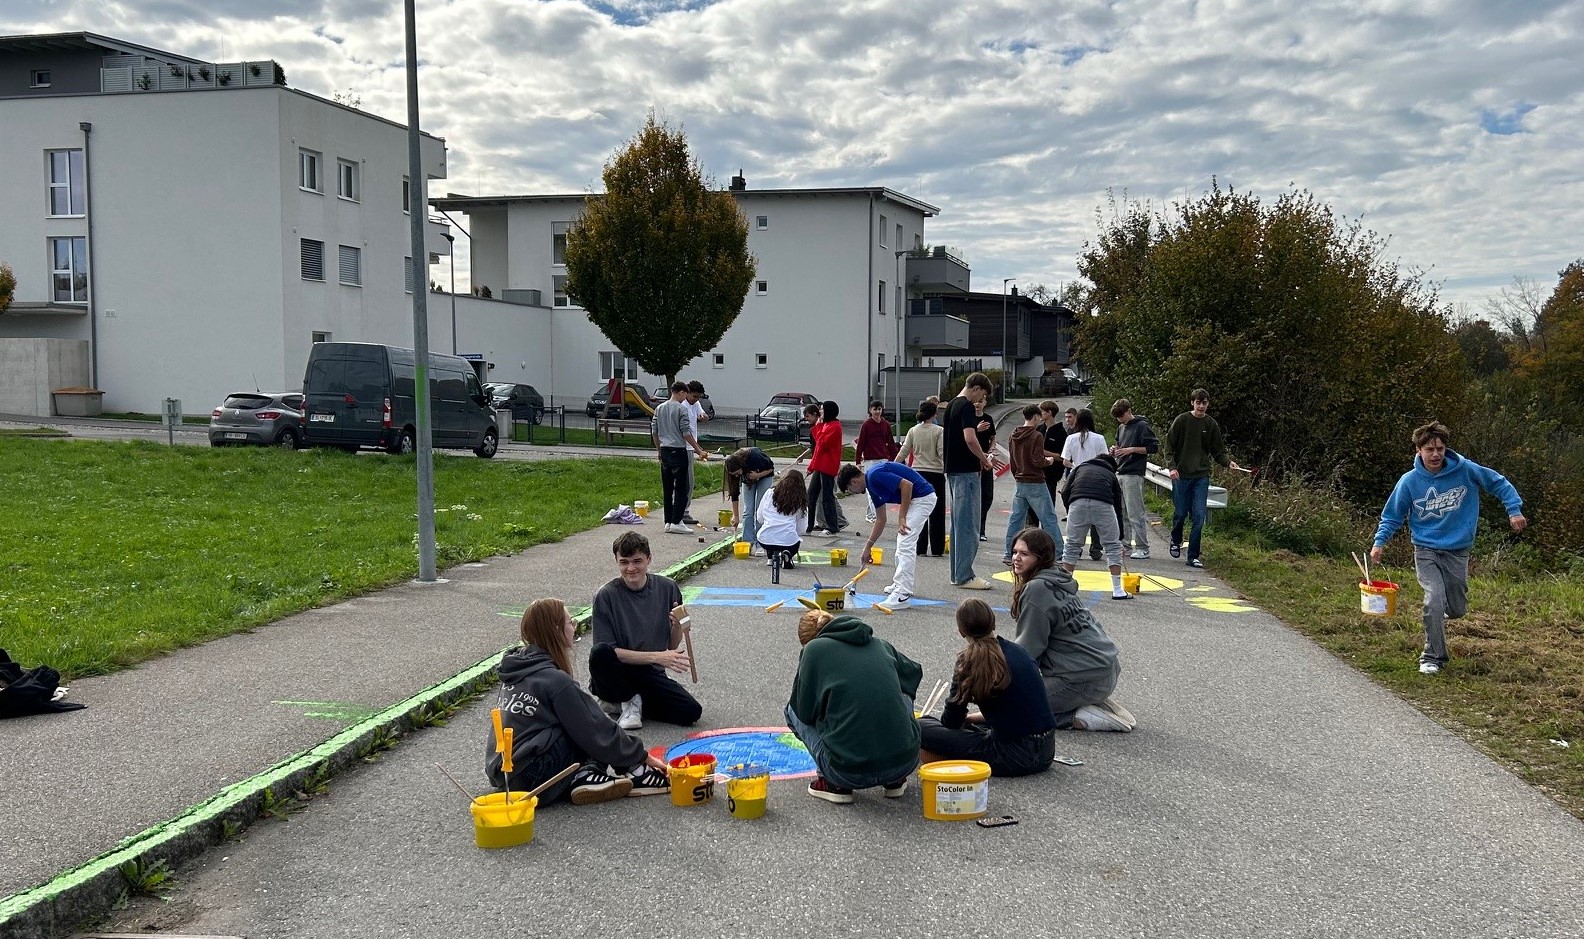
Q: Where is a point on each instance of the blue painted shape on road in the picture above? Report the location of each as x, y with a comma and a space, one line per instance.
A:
763, 597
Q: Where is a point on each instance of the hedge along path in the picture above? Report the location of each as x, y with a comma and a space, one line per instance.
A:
91, 889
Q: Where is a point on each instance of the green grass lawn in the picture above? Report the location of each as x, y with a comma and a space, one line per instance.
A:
1516, 680
116, 552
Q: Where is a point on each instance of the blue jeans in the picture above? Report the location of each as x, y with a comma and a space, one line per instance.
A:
1189, 498
964, 524
1031, 497
750, 497
816, 748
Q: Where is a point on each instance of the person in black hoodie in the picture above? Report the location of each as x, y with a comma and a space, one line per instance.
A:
1014, 731
1094, 500
555, 722
1135, 441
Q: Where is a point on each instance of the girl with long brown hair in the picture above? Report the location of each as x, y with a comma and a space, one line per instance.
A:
555, 722
1014, 729
780, 518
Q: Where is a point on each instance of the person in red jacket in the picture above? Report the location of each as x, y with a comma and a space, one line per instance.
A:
823, 466
874, 437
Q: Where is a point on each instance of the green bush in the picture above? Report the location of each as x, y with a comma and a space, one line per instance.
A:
1301, 517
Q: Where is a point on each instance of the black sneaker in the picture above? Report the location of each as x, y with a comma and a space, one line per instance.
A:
689, 520
648, 781
820, 789
592, 784
896, 790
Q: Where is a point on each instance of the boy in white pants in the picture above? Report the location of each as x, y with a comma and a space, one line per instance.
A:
891, 483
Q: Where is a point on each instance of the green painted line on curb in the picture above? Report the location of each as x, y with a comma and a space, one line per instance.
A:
87, 877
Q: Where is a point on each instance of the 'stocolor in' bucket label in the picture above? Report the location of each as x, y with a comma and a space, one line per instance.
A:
961, 798
1374, 603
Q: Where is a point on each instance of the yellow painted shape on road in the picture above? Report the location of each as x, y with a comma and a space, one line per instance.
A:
1100, 581
1223, 604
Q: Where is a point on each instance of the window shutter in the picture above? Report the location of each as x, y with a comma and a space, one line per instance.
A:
351, 266
312, 259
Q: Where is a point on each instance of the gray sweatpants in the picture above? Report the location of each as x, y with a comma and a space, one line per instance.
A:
1066, 697
1444, 577
1082, 514
1135, 529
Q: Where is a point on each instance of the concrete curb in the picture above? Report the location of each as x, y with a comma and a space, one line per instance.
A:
91, 889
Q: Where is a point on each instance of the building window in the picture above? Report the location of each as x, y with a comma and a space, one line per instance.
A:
312, 259
66, 182
406, 195
558, 238
69, 269
321, 337
761, 360
616, 365
410, 273
761, 222
308, 171
558, 287
351, 266
880, 298
882, 231
898, 241
39, 78
348, 185
718, 360
762, 287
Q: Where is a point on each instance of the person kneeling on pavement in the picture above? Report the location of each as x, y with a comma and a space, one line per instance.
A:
556, 723
1078, 661
852, 706
1014, 731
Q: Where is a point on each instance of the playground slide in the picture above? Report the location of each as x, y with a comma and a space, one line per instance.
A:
630, 395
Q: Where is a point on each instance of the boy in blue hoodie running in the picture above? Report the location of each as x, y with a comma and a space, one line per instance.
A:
1439, 498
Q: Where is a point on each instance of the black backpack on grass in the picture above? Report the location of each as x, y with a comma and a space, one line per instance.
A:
29, 691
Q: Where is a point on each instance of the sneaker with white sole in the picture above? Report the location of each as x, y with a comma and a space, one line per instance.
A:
592, 784
1094, 718
1139, 554
1429, 668
631, 713
896, 601
1119, 712
978, 583
897, 789
678, 530
648, 781
613, 708
820, 789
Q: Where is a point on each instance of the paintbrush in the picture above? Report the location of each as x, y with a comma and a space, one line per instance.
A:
1362, 569
460, 788
550, 782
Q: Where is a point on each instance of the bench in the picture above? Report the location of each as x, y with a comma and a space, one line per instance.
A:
611, 426
1161, 476
715, 442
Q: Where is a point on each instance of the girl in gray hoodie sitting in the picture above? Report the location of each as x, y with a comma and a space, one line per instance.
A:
555, 722
1076, 658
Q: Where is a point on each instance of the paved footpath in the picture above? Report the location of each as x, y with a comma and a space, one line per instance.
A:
1270, 790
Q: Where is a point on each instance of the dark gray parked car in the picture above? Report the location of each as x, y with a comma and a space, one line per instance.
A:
524, 401
258, 418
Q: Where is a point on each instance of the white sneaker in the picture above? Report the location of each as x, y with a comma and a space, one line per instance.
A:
1139, 554
1094, 718
1429, 668
678, 530
1120, 713
978, 583
896, 601
631, 713
609, 707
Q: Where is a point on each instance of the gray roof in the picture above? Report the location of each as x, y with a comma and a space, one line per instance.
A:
461, 203
49, 43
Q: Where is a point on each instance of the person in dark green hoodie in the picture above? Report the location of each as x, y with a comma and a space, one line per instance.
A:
852, 706
556, 723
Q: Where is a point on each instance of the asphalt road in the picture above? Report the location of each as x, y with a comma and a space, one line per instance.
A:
1269, 791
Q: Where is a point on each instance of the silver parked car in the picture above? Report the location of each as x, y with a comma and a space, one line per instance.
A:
259, 418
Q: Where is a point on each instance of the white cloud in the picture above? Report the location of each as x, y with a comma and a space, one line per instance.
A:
1452, 127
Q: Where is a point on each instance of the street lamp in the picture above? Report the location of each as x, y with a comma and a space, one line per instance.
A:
896, 370
451, 241
1004, 370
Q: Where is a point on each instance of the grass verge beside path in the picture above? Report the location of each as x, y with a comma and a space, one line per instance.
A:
116, 552
1516, 680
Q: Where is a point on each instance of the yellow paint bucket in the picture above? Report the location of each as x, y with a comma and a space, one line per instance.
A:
838, 557
741, 549
725, 517
747, 788
1378, 598
947, 543
1130, 583
642, 508
876, 555
497, 824
955, 790
692, 779
833, 599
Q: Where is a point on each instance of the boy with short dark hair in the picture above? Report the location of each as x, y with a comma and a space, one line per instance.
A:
1439, 499
874, 437
637, 635
1029, 462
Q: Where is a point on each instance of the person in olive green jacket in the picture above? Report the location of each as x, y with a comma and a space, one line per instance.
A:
852, 706
1193, 441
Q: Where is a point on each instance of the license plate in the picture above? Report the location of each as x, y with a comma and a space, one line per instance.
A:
236, 436
326, 418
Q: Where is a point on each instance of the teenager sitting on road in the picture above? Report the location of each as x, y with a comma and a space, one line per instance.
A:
556, 723
1014, 730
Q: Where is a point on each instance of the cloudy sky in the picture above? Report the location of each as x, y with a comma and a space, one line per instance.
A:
1455, 127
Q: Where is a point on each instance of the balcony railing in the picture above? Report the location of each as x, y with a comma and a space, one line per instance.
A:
153, 75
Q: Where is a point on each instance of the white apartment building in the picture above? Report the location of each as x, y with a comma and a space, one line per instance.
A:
821, 316
198, 224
